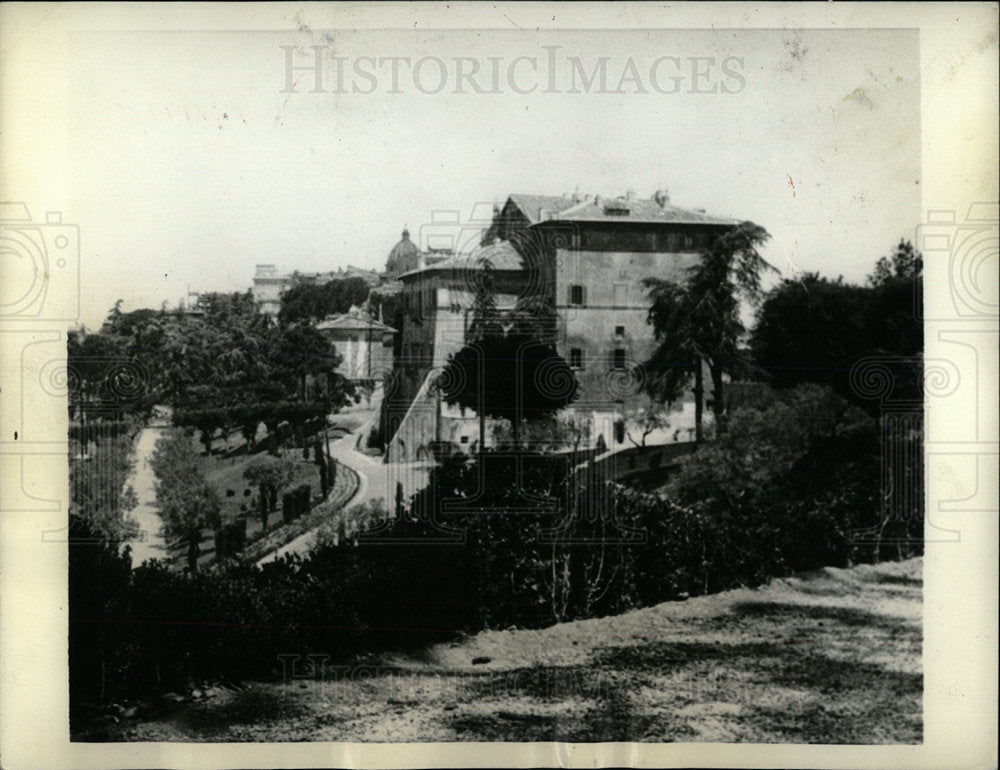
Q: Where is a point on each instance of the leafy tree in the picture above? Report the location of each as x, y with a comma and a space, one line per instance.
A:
506, 371
646, 420
310, 302
271, 475
815, 329
300, 350
697, 322
810, 329
905, 263
509, 376
534, 317
486, 319
187, 503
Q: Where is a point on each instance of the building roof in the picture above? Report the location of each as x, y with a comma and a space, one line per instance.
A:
637, 210
353, 322
542, 208
537, 208
501, 256
405, 248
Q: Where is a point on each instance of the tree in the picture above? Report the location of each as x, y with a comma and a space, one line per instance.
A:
460, 381
486, 319
388, 308
310, 302
534, 317
509, 368
509, 376
905, 263
810, 329
647, 421
187, 503
300, 350
697, 322
271, 475
815, 329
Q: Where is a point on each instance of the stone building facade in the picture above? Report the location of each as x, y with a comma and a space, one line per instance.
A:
437, 310
585, 256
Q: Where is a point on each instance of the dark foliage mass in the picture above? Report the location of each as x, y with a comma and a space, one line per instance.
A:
509, 368
311, 302
813, 329
227, 353
506, 539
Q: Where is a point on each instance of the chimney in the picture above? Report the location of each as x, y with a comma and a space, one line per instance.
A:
630, 195
597, 200
662, 197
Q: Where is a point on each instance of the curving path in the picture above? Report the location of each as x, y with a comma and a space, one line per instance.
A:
376, 480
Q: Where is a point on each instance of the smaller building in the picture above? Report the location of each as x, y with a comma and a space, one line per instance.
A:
363, 343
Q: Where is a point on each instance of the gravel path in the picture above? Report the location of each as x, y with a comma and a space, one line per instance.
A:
150, 543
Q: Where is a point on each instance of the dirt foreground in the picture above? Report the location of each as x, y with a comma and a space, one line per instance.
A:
832, 656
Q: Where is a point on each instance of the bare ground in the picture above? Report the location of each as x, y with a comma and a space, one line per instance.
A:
832, 656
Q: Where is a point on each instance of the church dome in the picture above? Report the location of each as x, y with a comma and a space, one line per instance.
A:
403, 256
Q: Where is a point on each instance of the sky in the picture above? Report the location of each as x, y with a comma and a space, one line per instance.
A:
189, 159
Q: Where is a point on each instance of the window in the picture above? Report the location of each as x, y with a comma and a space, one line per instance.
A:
576, 358
688, 241
618, 358
464, 440
619, 331
577, 294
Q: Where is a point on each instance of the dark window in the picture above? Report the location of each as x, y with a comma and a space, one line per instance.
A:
618, 359
576, 358
577, 296
619, 331
464, 440
688, 241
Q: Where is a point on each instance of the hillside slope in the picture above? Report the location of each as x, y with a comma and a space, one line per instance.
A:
833, 656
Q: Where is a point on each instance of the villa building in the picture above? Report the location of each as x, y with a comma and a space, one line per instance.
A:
586, 257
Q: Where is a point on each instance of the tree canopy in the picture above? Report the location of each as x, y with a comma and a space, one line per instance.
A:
311, 302
229, 354
187, 503
697, 322
814, 329
509, 368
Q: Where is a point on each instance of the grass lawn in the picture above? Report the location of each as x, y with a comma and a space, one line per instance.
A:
225, 474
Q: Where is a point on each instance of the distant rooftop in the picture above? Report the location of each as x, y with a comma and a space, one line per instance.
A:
501, 256
353, 321
627, 208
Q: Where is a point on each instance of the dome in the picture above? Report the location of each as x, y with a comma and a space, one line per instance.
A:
403, 256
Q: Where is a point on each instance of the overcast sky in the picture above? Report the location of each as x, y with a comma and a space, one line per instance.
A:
190, 159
